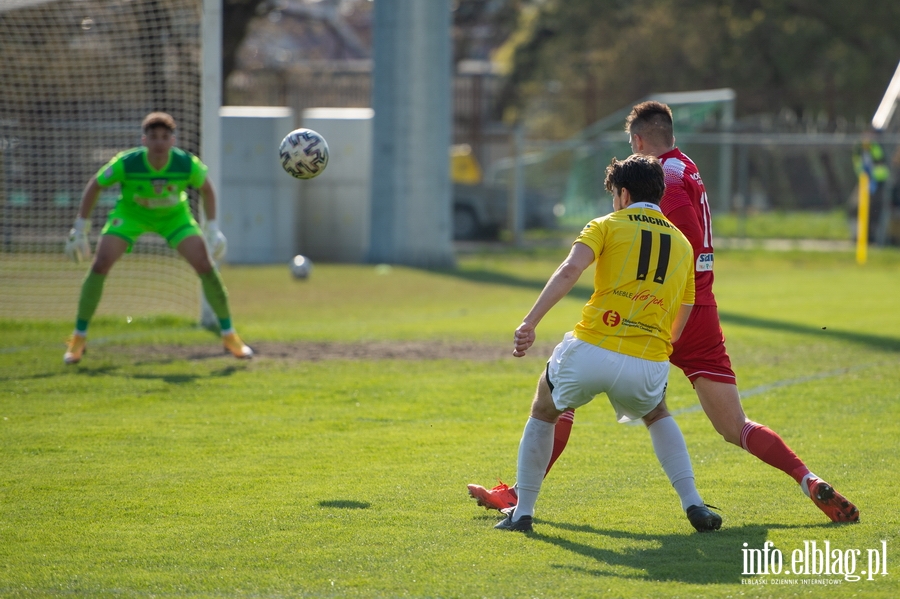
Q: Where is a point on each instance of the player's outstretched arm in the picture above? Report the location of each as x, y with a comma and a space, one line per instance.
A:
560, 283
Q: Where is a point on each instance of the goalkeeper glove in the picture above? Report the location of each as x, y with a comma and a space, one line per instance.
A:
78, 247
215, 240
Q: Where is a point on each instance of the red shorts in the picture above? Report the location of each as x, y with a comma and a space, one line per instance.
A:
700, 352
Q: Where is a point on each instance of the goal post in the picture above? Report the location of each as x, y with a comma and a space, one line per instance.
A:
210, 104
78, 78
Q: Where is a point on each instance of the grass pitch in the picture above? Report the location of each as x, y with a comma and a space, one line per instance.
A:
160, 468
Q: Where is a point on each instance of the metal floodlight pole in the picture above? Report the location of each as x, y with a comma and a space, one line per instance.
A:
888, 102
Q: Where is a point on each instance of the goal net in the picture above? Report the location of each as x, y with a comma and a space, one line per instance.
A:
574, 170
78, 78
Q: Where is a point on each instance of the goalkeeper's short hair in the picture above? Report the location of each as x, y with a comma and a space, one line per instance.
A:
158, 119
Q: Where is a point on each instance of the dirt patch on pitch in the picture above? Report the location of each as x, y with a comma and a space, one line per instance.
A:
319, 351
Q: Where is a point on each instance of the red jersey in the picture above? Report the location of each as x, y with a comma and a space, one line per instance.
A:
684, 203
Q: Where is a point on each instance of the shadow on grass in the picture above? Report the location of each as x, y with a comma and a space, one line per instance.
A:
875, 341
101, 370
345, 504
180, 379
709, 558
583, 293
110, 370
104, 370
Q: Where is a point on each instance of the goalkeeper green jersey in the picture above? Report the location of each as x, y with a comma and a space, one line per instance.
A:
644, 273
145, 186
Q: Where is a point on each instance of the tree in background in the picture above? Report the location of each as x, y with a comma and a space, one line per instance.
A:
824, 58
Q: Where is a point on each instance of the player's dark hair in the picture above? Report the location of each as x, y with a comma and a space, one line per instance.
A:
652, 120
158, 119
641, 175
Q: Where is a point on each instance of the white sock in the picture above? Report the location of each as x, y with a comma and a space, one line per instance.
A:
534, 456
672, 453
804, 484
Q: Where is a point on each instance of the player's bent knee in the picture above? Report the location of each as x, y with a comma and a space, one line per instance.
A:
550, 416
543, 408
656, 414
200, 262
202, 268
102, 267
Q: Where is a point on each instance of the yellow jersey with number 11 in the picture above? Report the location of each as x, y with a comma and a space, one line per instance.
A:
644, 272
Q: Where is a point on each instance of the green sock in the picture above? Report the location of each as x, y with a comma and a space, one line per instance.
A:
91, 292
217, 296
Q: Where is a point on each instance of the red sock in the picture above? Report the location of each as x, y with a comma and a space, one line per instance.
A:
561, 436
765, 444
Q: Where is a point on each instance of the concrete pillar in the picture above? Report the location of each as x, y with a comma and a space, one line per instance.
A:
411, 193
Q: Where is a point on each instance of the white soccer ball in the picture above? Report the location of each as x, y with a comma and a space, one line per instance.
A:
304, 153
301, 266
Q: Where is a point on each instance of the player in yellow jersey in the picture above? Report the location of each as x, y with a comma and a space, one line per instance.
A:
153, 178
700, 352
643, 295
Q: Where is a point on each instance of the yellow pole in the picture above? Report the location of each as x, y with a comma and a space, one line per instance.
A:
862, 224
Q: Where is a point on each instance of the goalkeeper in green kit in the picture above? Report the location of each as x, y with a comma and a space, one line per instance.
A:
153, 179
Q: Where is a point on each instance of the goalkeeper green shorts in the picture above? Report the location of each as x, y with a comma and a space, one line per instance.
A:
129, 221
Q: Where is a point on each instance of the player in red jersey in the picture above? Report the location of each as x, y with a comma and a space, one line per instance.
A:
700, 352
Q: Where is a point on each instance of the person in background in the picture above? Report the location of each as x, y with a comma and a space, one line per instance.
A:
869, 157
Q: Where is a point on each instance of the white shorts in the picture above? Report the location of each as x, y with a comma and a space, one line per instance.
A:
577, 371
